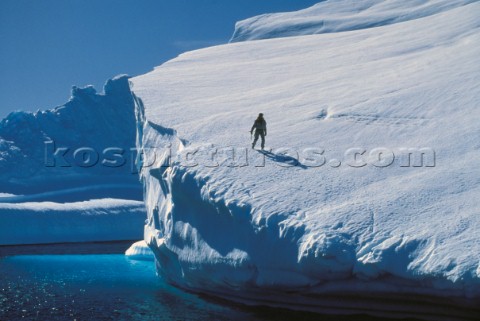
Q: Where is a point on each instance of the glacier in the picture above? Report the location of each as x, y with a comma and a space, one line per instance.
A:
52, 197
337, 215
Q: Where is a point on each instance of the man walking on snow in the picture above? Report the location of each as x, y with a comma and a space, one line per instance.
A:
260, 126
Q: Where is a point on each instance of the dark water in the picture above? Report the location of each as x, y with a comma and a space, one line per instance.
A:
111, 287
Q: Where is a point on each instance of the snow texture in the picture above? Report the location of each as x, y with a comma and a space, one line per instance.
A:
338, 237
339, 15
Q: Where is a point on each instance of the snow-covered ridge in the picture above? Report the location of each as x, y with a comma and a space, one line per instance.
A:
339, 15
303, 236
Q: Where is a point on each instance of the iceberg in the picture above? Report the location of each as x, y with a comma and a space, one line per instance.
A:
68, 174
70, 146
95, 220
366, 197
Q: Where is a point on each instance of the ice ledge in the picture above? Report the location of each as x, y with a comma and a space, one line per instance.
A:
81, 221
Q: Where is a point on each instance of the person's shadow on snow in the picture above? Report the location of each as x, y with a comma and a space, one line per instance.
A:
289, 161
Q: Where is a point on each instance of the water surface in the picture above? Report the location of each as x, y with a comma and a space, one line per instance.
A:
110, 287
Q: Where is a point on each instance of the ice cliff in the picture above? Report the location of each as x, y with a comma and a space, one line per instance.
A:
340, 214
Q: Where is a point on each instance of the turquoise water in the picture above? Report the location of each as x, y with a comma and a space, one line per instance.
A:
96, 287
110, 287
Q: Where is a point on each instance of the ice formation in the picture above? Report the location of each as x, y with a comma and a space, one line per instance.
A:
140, 251
87, 221
68, 174
89, 124
342, 214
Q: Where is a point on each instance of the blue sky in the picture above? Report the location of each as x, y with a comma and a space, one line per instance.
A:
47, 46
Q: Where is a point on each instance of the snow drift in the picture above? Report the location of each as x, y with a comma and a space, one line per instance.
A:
339, 15
341, 216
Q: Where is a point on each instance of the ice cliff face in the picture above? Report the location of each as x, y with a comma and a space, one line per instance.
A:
30, 159
337, 16
341, 214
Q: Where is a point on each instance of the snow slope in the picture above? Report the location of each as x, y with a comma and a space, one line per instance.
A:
339, 15
397, 240
50, 198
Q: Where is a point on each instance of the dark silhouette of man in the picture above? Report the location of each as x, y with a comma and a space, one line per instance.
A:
260, 126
